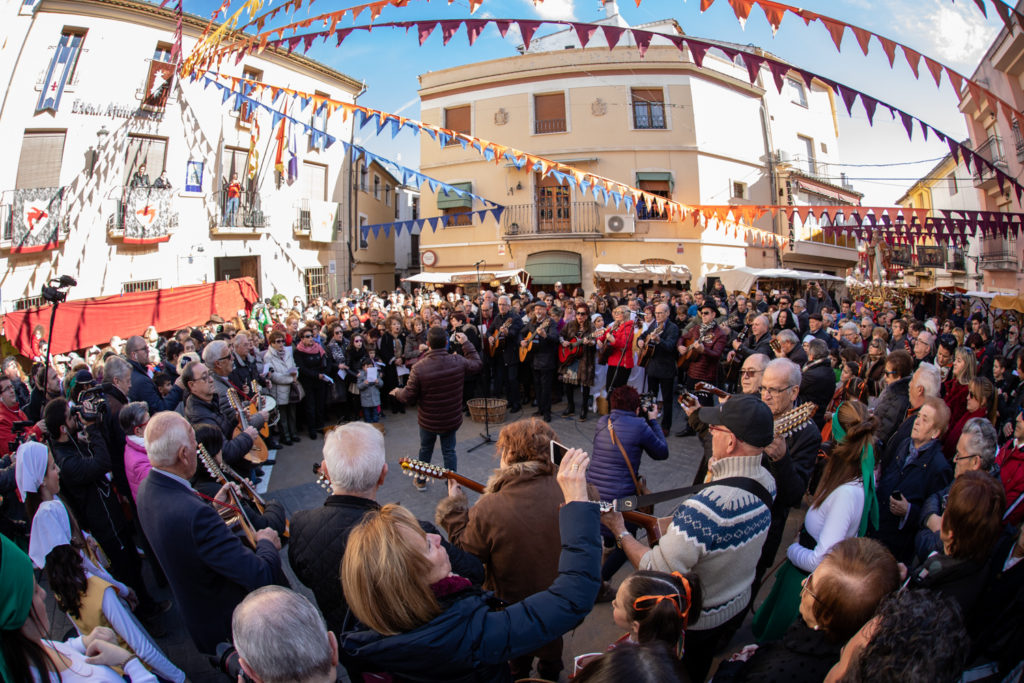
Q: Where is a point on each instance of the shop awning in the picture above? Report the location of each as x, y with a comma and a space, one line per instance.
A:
463, 277
743, 279
642, 272
86, 322
454, 200
549, 267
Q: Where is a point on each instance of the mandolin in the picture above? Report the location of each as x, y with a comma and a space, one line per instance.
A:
524, 351
786, 424
654, 526
258, 403
237, 518
259, 451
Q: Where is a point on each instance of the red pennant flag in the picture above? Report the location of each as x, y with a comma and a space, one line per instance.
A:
705, 4
890, 49
835, 29
779, 72
697, 51
612, 35
849, 97
956, 79
863, 38
643, 40
585, 32
753, 63
773, 13
342, 34
425, 28
450, 27
913, 59
527, 29
474, 27
502, 26
741, 8
936, 70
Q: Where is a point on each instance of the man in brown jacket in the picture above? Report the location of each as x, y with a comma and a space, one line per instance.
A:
436, 383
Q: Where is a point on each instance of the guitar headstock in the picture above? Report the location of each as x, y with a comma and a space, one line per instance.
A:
254, 386
233, 399
414, 467
209, 463
793, 420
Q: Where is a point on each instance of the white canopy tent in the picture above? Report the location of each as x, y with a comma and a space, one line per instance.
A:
642, 272
464, 277
742, 279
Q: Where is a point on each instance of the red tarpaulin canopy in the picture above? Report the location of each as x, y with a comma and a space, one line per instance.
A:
86, 322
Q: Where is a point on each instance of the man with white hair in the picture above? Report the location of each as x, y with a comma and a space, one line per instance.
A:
208, 567
355, 469
924, 348
293, 646
924, 383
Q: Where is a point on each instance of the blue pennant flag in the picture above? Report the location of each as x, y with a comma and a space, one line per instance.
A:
303, 103
330, 140
443, 139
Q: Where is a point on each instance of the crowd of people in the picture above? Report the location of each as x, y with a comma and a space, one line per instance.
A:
900, 430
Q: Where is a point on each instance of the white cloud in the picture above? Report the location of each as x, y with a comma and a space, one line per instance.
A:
957, 35
561, 10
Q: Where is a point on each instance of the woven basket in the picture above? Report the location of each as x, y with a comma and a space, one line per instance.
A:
493, 408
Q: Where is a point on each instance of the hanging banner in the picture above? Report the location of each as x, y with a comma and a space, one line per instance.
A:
322, 217
36, 214
57, 74
158, 85
148, 215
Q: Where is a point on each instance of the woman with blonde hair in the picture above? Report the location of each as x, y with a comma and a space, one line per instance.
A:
618, 348
983, 402
423, 622
955, 389
844, 505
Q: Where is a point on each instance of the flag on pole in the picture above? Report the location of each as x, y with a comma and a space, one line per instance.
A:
279, 154
293, 154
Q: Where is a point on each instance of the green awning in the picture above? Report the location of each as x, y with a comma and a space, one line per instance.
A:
549, 267
453, 200
662, 176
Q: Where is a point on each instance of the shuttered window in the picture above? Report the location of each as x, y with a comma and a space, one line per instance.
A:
648, 108
549, 113
150, 152
39, 164
313, 178
458, 119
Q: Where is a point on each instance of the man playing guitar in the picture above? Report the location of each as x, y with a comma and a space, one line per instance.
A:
661, 368
708, 340
502, 327
542, 335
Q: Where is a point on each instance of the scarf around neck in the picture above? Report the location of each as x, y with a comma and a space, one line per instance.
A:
867, 473
313, 347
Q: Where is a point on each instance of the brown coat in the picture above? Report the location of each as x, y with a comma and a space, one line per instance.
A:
512, 529
435, 383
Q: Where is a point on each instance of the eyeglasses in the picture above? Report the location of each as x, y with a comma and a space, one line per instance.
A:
707, 312
769, 391
227, 357
958, 458
203, 378
278, 341
891, 373
805, 585
751, 373
307, 336
719, 428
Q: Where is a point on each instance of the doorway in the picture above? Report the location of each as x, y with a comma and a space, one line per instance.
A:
229, 267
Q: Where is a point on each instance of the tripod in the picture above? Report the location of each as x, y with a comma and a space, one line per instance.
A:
486, 434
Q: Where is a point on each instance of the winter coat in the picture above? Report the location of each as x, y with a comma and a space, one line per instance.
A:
412, 353
952, 436
512, 528
663, 363
802, 655
369, 392
892, 408
585, 360
476, 640
136, 463
280, 376
436, 383
1011, 471
311, 366
621, 342
544, 353
143, 389
638, 435
317, 545
209, 412
817, 385
955, 395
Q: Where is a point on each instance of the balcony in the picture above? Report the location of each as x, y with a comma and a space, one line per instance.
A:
549, 126
565, 219
241, 215
999, 254
815, 249
15, 211
143, 215
991, 150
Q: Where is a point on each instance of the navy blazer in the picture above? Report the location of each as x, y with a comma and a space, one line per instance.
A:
209, 569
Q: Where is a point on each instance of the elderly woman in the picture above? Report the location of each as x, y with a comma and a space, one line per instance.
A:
283, 376
311, 362
513, 528
837, 512
617, 345
134, 417
894, 400
836, 600
982, 402
422, 621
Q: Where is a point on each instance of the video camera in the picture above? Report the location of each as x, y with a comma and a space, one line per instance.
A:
91, 404
18, 429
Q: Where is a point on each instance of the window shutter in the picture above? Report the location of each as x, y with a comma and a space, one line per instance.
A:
314, 181
458, 119
149, 151
648, 95
549, 107
39, 164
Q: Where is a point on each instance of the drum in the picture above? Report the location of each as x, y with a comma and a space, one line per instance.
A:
270, 405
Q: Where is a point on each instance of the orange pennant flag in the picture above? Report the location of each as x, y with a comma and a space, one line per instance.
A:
913, 59
863, 38
835, 29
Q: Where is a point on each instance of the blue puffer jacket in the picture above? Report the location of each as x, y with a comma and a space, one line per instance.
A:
470, 641
608, 471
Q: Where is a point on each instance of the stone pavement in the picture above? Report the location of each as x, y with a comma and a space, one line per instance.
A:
292, 482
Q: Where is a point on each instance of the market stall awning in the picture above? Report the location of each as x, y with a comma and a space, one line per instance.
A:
642, 272
1008, 302
86, 322
462, 277
742, 279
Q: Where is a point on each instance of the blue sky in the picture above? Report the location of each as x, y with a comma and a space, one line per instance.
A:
956, 34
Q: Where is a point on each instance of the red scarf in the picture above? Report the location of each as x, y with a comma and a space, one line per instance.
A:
313, 347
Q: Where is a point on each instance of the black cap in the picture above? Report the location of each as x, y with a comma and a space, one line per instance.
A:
746, 416
709, 305
83, 378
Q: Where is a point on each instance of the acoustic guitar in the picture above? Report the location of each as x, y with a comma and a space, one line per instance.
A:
494, 339
574, 349
654, 526
257, 404
524, 351
237, 519
259, 452
651, 341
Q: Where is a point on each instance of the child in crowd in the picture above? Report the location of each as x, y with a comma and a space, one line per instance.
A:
163, 383
369, 383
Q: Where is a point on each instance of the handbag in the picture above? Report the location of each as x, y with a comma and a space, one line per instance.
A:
640, 483
296, 393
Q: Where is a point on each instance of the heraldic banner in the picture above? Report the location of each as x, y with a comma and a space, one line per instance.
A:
148, 216
36, 214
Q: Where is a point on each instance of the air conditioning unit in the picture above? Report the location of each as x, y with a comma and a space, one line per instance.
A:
783, 157
618, 224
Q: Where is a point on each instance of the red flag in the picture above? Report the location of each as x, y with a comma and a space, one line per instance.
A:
278, 155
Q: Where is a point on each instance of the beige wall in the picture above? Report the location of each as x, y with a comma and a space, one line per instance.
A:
377, 261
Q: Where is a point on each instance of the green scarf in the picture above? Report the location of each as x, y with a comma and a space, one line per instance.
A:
867, 473
17, 584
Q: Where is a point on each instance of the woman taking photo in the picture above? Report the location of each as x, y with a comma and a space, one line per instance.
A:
513, 528
424, 622
844, 506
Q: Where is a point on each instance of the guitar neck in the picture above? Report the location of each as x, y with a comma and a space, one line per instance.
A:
470, 484
711, 389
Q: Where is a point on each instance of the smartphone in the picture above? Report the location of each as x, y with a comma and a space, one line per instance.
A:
558, 452
897, 494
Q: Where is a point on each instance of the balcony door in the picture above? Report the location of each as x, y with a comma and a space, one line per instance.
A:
554, 209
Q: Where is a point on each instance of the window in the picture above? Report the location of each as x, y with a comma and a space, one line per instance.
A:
549, 113
376, 187
140, 286
387, 194
316, 282
453, 200
458, 119
367, 284
39, 164
953, 189
313, 179
248, 74
656, 183
807, 146
72, 39
415, 208
162, 53
363, 174
234, 162
318, 120
363, 243
739, 190
648, 108
414, 246
462, 218
797, 93
144, 151
824, 148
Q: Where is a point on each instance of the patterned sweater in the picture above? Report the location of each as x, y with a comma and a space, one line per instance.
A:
718, 534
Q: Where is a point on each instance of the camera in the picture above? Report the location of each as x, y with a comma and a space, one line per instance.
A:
18, 429
226, 661
91, 404
648, 402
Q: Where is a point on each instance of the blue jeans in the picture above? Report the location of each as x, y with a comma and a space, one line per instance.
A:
371, 414
447, 447
230, 211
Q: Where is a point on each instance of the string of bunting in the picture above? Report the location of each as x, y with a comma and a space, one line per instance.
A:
208, 40
322, 138
698, 50
434, 222
1003, 10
